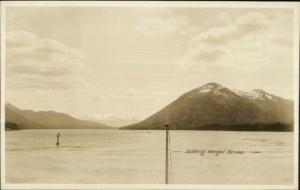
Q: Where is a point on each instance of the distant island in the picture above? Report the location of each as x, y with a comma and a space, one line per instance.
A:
17, 119
215, 107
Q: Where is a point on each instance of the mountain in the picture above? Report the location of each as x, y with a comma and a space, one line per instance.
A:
114, 121
215, 107
28, 119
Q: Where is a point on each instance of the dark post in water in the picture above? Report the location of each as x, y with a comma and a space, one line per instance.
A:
167, 154
57, 139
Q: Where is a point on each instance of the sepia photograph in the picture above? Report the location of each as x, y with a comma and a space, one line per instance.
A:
149, 95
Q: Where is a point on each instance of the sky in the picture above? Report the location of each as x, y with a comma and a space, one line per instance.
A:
130, 62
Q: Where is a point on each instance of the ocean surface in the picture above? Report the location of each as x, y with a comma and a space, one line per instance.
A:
138, 156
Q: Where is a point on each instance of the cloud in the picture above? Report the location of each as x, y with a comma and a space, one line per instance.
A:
161, 94
134, 93
45, 58
162, 22
252, 41
38, 85
241, 26
25, 49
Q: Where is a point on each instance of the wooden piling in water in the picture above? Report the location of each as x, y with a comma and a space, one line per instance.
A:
167, 155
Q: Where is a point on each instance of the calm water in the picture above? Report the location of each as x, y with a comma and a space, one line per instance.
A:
124, 156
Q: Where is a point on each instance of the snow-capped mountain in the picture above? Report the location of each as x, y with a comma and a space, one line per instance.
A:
255, 94
215, 107
114, 121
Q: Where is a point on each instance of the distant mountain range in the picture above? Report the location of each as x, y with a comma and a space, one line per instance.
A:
16, 118
113, 120
215, 107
